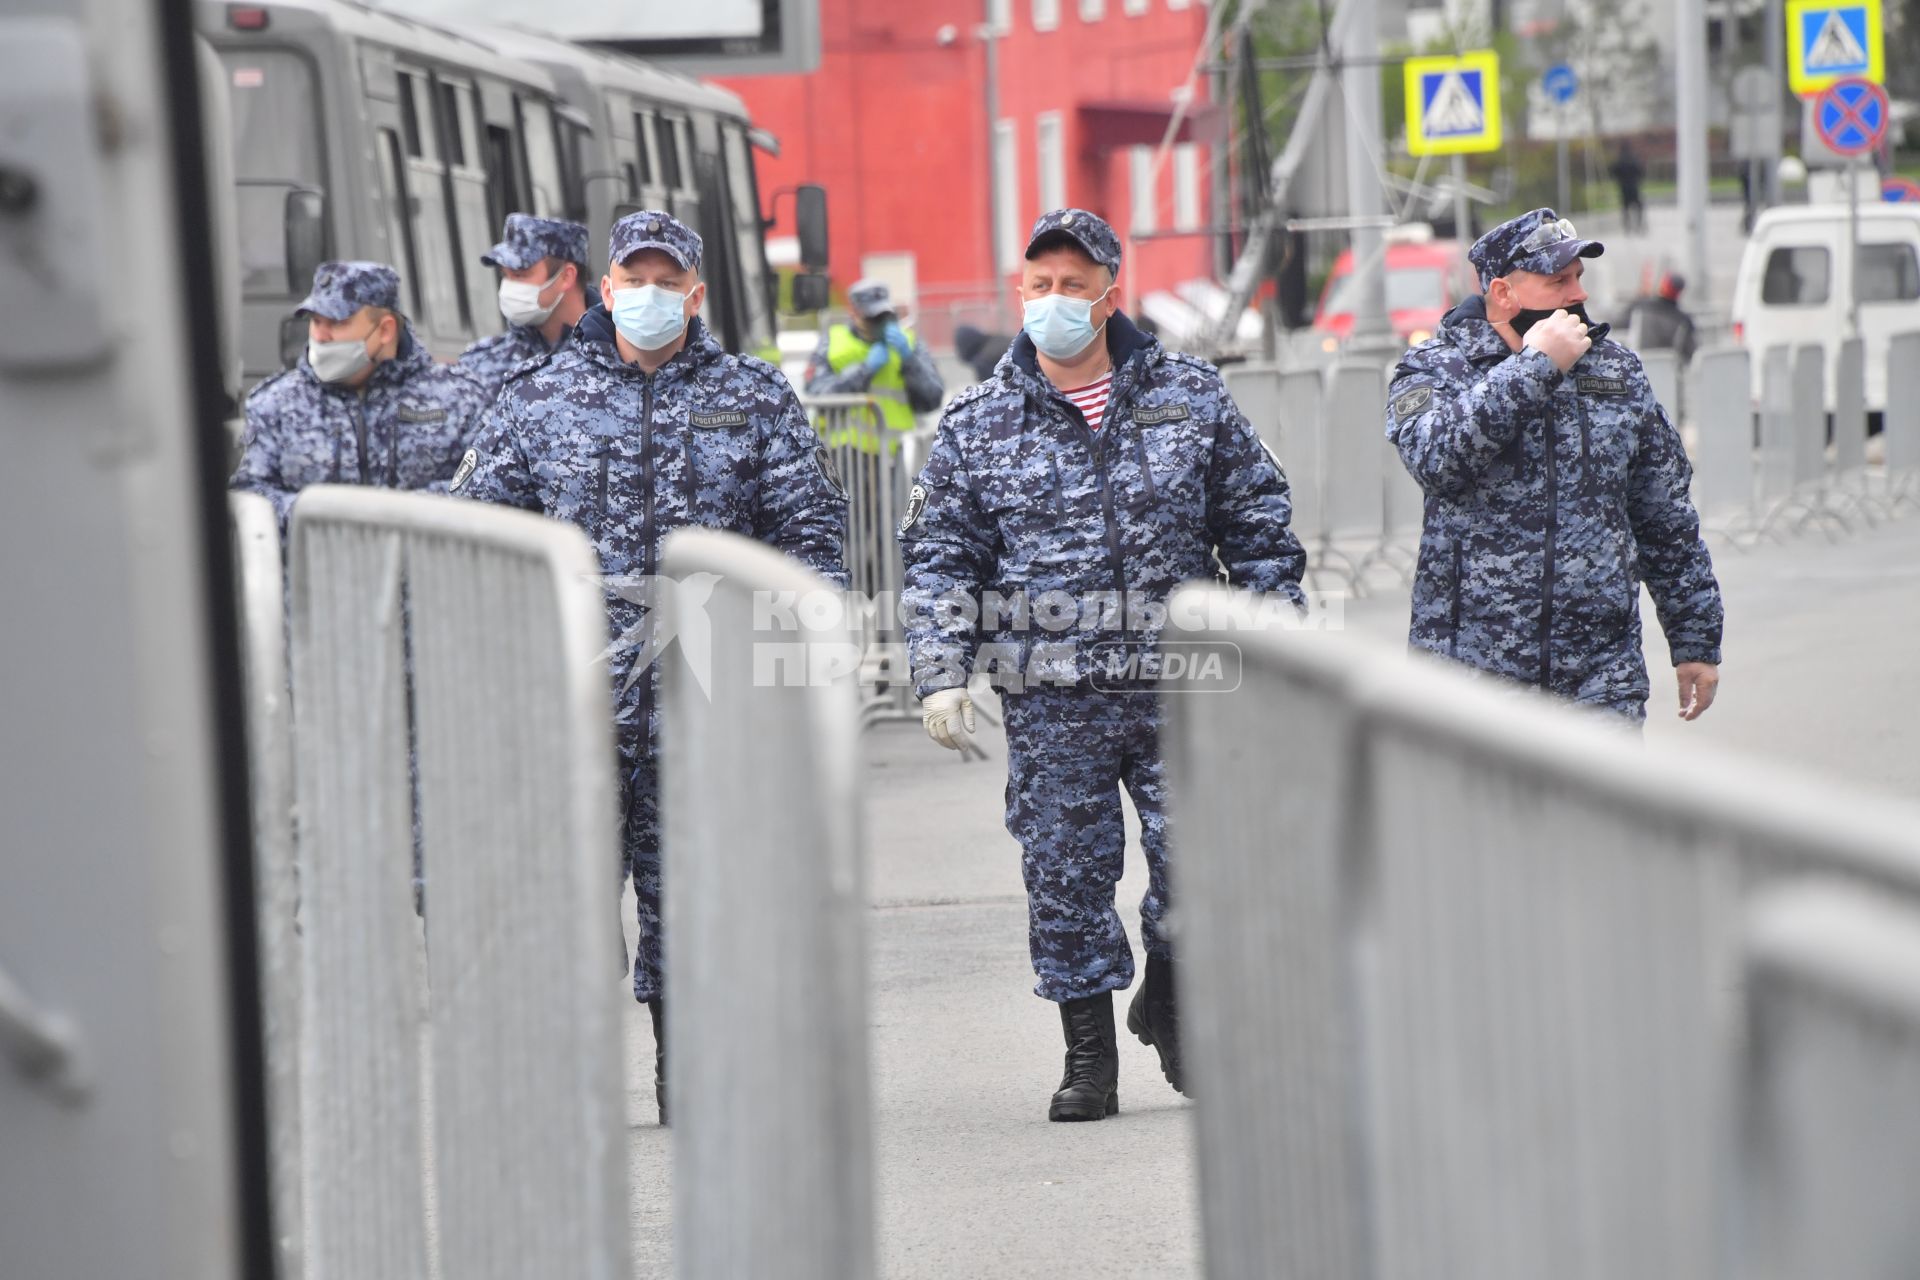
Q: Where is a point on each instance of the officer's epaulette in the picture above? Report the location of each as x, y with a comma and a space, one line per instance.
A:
759, 367
978, 391
1189, 361
266, 382
531, 365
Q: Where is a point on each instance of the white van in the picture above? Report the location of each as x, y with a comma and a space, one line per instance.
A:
1794, 277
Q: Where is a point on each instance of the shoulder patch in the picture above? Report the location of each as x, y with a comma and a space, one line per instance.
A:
718, 420
1594, 385
1158, 414
1408, 403
916, 507
468, 462
823, 459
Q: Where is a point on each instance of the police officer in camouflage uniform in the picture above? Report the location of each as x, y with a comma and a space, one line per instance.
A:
639, 426
1025, 491
1555, 486
543, 294
365, 404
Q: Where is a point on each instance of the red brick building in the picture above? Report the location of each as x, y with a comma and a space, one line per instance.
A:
895, 124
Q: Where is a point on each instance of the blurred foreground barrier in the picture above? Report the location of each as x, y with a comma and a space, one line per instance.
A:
765, 933
261, 583
498, 616
877, 467
1830, 1144
1471, 1009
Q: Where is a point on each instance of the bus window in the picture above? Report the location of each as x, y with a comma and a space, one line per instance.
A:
742, 198
503, 186
669, 138
276, 148
643, 150
410, 117
467, 188
400, 224
573, 168
543, 159
450, 122
633, 180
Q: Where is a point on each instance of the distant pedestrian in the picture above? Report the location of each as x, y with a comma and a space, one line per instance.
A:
1628, 173
875, 355
1660, 322
980, 350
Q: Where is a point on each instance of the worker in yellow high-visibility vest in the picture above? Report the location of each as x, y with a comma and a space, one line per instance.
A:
875, 356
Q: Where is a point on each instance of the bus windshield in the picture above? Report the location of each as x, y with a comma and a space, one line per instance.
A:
276, 149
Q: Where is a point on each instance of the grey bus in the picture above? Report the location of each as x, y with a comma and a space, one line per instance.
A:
357, 133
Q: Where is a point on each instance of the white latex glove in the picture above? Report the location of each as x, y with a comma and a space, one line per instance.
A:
942, 711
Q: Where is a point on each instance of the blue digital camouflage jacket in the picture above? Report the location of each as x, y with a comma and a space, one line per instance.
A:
708, 439
1550, 498
404, 429
1018, 496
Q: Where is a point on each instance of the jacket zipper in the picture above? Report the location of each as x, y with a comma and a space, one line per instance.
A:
1459, 588
1106, 500
646, 469
1586, 449
393, 452
1059, 497
600, 493
360, 431
1553, 525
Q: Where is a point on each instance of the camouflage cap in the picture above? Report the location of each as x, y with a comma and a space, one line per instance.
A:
1541, 241
870, 298
340, 289
1088, 230
652, 229
527, 240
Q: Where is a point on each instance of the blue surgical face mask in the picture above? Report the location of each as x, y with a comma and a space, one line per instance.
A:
649, 317
1062, 327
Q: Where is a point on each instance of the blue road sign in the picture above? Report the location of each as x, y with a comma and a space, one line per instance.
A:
1851, 117
1900, 191
1561, 82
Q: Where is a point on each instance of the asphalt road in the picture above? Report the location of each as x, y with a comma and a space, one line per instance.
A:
971, 1178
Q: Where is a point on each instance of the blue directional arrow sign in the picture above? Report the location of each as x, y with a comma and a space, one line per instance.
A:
1851, 117
1561, 82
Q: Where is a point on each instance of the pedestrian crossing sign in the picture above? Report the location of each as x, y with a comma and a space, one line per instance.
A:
1833, 40
1453, 104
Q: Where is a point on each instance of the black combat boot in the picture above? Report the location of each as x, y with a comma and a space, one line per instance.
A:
1090, 1088
1154, 1016
657, 1009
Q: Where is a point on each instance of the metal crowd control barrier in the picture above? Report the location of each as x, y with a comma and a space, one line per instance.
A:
1662, 366
873, 462
1776, 465
1352, 424
1302, 395
765, 936
1831, 1151
1900, 421
262, 610
498, 616
1473, 1010
1723, 460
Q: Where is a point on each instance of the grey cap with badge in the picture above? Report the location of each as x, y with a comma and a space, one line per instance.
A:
654, 229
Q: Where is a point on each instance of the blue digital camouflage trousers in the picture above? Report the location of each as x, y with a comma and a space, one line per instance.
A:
640, 849
1069, 751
